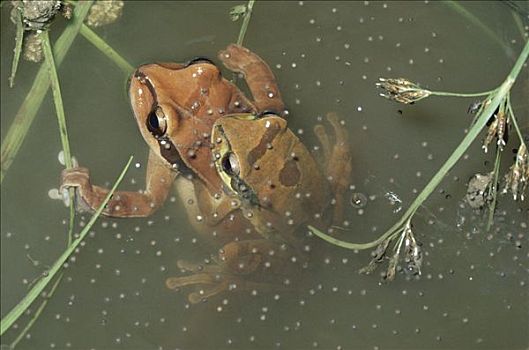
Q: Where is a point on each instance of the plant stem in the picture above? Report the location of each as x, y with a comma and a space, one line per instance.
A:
100, 44
494, 188
498, 97
19, 39
61, 119
245, 22
514, 121
37, 289
27, 111
457, 94
57, 98
38, 311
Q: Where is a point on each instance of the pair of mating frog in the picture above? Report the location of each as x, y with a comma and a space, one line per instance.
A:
248, 185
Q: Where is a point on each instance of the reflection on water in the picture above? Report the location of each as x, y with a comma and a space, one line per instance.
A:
327, 56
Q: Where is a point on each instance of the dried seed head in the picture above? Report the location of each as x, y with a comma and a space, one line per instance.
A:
402, 90
517, 177
378, 256
493, 128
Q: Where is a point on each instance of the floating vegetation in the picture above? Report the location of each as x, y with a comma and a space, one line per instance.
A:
104, 12
38, 15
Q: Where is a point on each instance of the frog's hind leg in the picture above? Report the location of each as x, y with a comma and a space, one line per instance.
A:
218, 277
338, 166
258, 76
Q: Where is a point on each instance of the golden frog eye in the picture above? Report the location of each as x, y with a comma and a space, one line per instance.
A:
157, 122
230, 164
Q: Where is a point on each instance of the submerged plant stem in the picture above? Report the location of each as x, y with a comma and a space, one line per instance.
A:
27, 111
499, 95
496, 174
37, 312
37, 289
19, 39
102, 46
457, 94
49, 61
245, 22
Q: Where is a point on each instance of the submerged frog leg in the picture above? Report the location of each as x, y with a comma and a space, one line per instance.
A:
258, 76
337, 162
250, 265
323, 137
159, 179
339, 167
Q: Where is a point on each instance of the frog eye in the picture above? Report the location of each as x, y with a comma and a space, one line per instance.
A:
230, 164
157, 122
199, 60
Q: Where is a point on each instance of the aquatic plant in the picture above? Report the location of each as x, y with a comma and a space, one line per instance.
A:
495, 109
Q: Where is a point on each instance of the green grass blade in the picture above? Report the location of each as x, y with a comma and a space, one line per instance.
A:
100, 44
245, 22
27, 111
34, 293
19, 39
37, 312
49, 61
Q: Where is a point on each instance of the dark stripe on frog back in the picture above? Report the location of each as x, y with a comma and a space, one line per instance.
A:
258, 151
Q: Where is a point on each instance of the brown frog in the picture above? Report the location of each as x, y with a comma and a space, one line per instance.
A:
246, 181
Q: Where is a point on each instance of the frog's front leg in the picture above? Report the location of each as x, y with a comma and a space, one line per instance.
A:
240, 266
258, 76
159, 179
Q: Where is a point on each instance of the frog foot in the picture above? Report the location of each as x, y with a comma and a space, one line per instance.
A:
211, 280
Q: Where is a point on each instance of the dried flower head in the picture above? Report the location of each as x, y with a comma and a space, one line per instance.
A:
517, 177
402, 90
412, 254
497, 129
104, 12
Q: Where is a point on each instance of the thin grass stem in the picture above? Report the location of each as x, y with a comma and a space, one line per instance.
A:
458, 94
245, 22
38, 311
514, 121
57, 97
106, 49
19, 39
29, 298
494, 188
61, 119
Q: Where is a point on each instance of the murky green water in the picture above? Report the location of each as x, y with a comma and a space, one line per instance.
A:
327, 56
